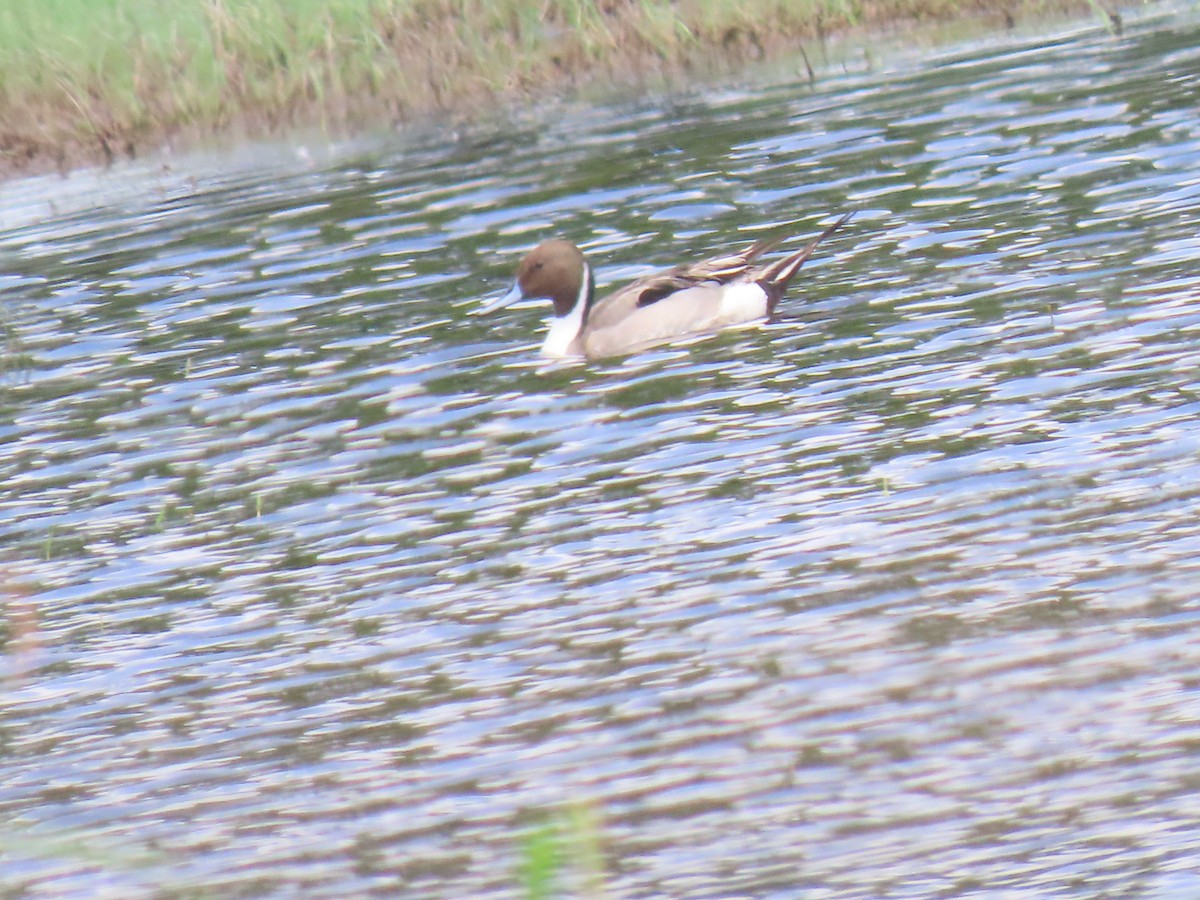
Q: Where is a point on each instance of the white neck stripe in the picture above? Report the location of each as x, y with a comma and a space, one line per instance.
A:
565, 329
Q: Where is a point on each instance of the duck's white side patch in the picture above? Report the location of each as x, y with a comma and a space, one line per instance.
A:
565, 329
742, 302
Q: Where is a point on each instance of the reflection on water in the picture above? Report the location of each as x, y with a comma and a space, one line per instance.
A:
315, 582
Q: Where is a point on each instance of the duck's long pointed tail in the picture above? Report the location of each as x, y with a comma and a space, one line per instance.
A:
775, 277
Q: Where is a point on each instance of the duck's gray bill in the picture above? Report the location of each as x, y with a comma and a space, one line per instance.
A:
500, 302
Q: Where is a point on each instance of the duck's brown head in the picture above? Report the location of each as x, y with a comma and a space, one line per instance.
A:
553, 270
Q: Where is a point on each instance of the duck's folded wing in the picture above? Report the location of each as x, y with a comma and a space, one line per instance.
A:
715, 270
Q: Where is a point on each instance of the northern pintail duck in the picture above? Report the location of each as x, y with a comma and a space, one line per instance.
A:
688, 299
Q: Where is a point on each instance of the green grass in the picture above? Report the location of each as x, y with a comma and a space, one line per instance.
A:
105, 73
98, 79
562, 856
81, 847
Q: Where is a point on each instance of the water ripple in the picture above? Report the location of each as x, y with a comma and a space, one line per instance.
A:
316, 582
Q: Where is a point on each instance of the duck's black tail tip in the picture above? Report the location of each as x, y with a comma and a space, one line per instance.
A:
776, 277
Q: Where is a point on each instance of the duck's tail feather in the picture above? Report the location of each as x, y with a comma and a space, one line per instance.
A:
775, 277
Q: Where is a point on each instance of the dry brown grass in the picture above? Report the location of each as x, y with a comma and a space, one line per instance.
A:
87, 80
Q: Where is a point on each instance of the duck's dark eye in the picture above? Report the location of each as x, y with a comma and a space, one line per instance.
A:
538, 265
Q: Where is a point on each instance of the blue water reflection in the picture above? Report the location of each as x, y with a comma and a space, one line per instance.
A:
315, 582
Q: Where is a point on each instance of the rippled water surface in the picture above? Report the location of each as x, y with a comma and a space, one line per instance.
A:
316, 584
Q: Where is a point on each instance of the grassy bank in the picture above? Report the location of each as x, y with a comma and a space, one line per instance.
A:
85, 80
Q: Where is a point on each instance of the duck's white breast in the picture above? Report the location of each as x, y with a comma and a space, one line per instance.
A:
561, 336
